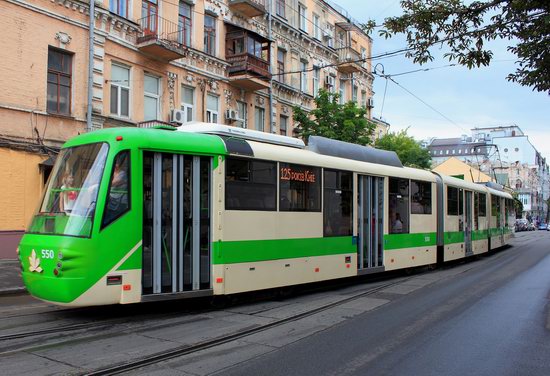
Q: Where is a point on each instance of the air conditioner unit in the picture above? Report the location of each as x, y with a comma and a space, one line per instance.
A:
329, 80
177, 116
370, 103
232, 114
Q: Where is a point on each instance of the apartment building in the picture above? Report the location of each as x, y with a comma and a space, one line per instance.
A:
507, 156
238, 62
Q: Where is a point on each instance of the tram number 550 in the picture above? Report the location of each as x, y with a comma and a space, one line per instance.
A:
47, 253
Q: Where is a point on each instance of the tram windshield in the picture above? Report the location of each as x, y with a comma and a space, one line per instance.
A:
70, 198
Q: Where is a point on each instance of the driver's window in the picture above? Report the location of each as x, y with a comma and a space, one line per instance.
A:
118, 198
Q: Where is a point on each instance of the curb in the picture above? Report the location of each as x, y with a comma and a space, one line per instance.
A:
13, 291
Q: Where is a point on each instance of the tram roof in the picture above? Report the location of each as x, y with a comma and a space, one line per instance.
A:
155, 139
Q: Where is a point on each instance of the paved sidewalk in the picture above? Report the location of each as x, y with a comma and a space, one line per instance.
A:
10, 278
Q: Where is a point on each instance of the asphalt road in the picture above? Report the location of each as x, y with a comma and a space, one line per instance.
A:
490, 320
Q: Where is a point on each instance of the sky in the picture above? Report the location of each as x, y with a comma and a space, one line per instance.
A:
481, 97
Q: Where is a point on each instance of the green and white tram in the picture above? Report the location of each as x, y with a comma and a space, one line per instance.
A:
132, 215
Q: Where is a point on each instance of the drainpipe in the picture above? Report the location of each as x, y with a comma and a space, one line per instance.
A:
90, 67
271, 126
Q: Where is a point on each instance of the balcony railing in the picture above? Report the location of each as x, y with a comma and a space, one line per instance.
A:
248, 63
250, 8
162, 38
349, 60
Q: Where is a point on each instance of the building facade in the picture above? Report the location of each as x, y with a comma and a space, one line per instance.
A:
508, 157
238, 62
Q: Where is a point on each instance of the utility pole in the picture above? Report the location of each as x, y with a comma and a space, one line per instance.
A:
90, 67
271, 126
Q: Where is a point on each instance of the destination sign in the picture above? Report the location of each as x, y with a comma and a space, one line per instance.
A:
290, 174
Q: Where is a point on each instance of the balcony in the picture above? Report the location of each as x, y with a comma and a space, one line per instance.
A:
248, 56
349, 60
248, 72
249, 8
161, 39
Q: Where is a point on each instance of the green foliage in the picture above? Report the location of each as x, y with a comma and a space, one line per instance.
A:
465, 28
345, 122
409, 151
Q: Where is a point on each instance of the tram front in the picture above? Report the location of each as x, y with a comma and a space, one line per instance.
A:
77, 249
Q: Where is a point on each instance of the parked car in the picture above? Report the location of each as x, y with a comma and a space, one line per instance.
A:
521, 224
531, 227
543, 226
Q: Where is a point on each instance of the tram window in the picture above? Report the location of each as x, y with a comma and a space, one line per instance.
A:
421, 197
299, 188
337, 208
452, 201
482, 205
118, 199
399, 206
250, 184
476, 210
494, 205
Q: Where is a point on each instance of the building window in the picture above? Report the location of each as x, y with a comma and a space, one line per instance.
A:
209, 34
316, 79
283, 125
280, 8
242, 114
354, 93
59, 82
299, 188
303, 76
259, 119
120, 91
212, 108
149, 12
151, 101
459, 151
119, 7
363, 98
188, 102
316, 27
281, 54
185, 24
303, 19
338, 203
250, 185
421, 197
447, 152
342, 91
399, 206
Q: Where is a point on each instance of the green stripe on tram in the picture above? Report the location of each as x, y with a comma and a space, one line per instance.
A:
398, 241
232, 252
480, 235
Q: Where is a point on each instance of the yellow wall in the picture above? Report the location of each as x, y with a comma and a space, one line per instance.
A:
454, 166
21, 188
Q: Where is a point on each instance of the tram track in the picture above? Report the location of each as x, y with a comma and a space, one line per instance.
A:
190, 349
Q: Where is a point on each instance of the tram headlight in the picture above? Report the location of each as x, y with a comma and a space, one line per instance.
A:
60, 255
59, 265
56, 272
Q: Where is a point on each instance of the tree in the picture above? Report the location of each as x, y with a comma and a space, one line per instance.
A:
409, 151
518, 205
464, 29
345, 122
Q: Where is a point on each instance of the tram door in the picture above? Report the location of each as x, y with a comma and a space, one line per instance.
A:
176, 223
468, 223
370, 204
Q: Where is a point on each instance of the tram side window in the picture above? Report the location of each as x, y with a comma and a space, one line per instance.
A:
118, 199
337, 208
460, 201
494, 205
476, 210
299, 188
452, 201
399, 206
421, 197
250, 185
482, 205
